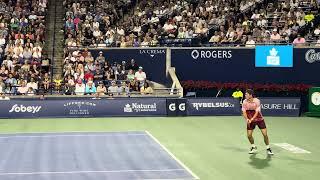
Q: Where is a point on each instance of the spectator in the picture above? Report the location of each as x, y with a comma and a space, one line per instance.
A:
23, 89
80, 88
32, 84
101, 89
133, 65
146, 89
124, 89
30, 91
275, 36
113, 89
250, 42
3, 97
140, 75
130, 75
90, 88
299, 41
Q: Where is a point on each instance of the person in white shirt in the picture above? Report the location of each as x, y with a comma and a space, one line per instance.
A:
120, 31
250, 42
154, 19
23, 88
140, 75
80, 88
275, 36
317, 31
2, 40
32, 84
262, 22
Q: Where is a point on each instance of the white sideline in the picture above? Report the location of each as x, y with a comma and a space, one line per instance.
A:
69, 135
173, 156
87, 172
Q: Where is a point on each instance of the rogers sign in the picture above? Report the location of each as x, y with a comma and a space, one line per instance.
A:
211, 54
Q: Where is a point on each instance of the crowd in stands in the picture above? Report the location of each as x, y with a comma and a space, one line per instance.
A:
85, 74
24, 68
112, 23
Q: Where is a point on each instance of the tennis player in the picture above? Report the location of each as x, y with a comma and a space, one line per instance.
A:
252, 113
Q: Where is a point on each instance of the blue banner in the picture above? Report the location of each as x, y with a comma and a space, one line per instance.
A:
83, 108
280, 106
238, 65
274, 56
213, 106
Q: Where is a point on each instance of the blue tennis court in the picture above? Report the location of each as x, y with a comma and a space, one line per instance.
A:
84, 156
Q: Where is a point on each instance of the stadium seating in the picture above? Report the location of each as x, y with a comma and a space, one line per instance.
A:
22, 36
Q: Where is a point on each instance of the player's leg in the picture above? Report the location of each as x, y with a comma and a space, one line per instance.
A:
253, 148
250, 136
265, 136
266, 139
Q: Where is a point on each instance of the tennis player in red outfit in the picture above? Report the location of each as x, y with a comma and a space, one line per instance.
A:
252, 113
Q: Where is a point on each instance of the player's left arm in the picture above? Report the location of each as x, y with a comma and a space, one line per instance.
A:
257, 110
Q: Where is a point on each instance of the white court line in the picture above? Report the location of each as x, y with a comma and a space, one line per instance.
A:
66, 132
87, 172
173, 156
292, 148
69, 135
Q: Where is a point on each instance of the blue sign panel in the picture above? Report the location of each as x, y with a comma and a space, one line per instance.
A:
274, 56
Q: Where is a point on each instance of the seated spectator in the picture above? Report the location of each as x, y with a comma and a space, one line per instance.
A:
46, 82
275, 36
101, 59
132, 65
57, 82
124, 89
90, 88
101, 89
68, 89
32, 84
30, 92
146, 89
250, 42
140, 75
299, 41
23, 89
317, 31
113, 89
3, 97
80, 88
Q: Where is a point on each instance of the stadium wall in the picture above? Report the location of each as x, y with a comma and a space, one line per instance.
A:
84, 107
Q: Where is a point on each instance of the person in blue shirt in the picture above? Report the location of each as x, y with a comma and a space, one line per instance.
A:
90, 88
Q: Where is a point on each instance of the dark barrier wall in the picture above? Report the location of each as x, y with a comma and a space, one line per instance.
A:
83, 108
238, 65
142, 107
152, 60
280, 106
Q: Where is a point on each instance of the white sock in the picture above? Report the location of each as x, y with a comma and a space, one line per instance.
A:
268, 146
252, 145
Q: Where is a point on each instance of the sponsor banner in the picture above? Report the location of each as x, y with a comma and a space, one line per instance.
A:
274, 56
312, 55
152, 60
238, 65
280, 106
213, 106
83, 108
177, 107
